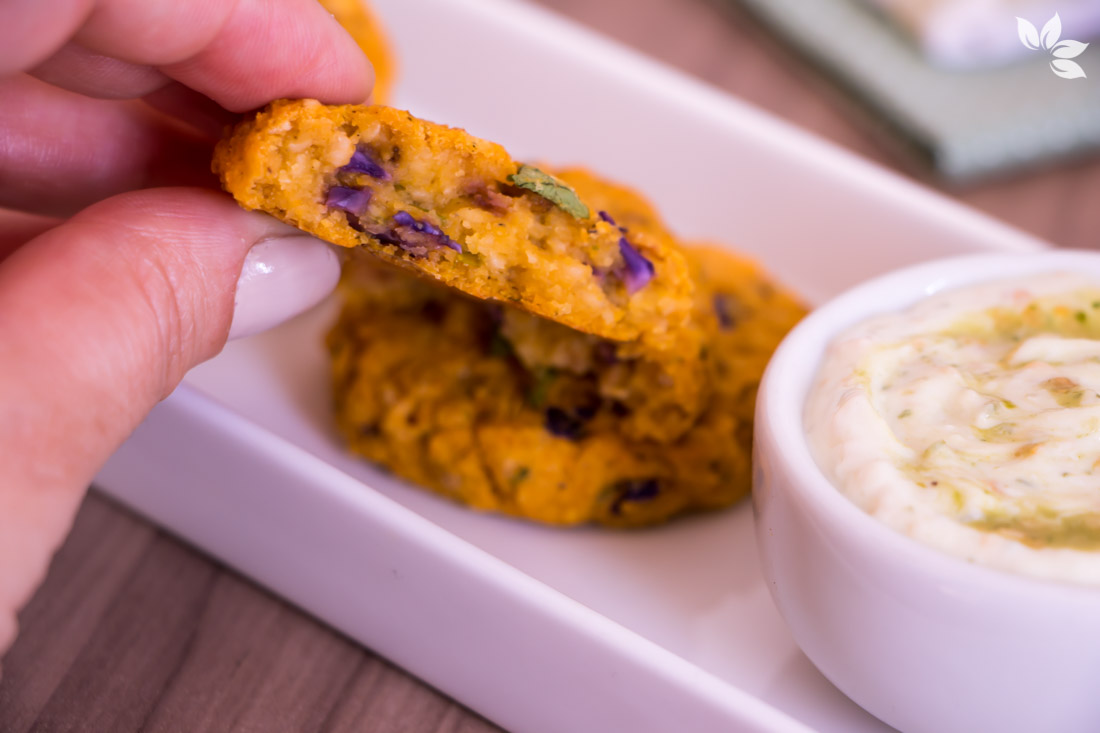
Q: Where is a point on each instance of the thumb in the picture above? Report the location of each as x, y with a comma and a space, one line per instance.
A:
100, 318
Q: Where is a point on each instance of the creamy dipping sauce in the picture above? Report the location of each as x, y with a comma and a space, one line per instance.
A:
971, 422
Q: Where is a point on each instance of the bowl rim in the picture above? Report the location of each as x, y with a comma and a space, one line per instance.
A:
790, 373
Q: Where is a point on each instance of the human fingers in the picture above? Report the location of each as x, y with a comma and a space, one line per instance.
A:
200, 114
32, 30
100, 317
79, 70
17, 228
241, 54
60, 151
76, 69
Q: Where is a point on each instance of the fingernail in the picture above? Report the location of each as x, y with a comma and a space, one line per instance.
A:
280, 279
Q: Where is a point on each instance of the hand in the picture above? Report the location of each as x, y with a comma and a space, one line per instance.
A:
110, 291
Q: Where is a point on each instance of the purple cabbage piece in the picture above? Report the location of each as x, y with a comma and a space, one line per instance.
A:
637, 271
570, 423
486, 197
634, 490
587, 412
381, 233
386, 237
405, 219
362, 162
725, 308
419, 237
352, 200
564, 424
606, 353
607, 217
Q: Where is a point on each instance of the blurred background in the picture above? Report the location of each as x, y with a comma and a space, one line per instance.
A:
958, 94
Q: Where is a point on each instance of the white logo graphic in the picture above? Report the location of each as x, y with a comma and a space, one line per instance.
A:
1061, 51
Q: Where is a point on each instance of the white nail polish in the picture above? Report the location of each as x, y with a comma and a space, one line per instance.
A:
280, 279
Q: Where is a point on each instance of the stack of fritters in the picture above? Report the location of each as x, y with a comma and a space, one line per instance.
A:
582, 366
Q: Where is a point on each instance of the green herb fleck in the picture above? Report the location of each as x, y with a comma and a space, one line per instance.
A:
551, 189
999, 433
904, 414
499, 346
1081, 316
1044, 527
540, 390
519, 476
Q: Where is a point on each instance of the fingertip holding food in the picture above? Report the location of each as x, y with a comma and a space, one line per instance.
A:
281, 278
8, 630
359, 21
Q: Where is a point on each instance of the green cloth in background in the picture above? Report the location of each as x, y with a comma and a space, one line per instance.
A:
969, 124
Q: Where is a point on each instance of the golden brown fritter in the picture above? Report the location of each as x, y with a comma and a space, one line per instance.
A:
442, 202
427, 384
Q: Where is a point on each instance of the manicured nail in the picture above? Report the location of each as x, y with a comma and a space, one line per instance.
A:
280, 279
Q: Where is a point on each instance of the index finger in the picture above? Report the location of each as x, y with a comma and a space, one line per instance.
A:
240, 53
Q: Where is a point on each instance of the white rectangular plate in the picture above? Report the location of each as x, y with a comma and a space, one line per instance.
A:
542, 629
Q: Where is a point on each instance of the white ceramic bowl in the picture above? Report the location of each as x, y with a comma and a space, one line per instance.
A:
923, 640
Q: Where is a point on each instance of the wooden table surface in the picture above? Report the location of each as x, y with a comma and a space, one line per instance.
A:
135, 631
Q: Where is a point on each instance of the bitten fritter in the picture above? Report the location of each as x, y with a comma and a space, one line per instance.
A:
361, 24
428, 385
458, 209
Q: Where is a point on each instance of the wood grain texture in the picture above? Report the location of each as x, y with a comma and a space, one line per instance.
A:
133, 631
